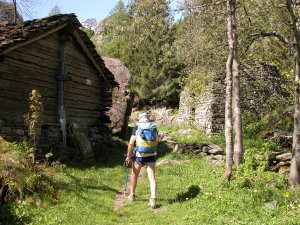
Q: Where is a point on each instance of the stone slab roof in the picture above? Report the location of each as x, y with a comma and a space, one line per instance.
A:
13, 35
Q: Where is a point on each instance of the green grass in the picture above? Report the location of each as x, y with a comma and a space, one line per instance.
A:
85, 197
189, 193
194, 193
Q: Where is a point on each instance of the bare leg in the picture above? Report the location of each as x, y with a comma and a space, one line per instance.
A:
151, 177
136, 168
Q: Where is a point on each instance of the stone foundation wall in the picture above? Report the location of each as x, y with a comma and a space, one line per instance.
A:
12, 131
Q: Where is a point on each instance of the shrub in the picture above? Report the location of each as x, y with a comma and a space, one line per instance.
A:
21, 177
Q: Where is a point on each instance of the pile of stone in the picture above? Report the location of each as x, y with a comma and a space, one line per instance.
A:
277, 162
214, 154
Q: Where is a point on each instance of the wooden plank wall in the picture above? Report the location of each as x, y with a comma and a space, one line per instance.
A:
33, 66
83, 97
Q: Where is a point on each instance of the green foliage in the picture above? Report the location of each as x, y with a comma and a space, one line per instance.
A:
26, 181
141, 36
88, 31
255, 20
197, 82
111, 42
151, 56
189, 133
201, 41
280, 119
34, 117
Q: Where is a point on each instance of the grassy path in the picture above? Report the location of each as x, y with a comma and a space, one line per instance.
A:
189, 193
121, 197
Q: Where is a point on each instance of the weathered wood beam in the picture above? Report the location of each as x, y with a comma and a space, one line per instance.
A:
60, 97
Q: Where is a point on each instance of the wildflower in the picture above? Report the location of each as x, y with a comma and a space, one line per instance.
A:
287, 194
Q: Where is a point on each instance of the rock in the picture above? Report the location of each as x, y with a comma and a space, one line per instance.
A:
170, 161
277, 167
215, 151
203, 154
168, 139
284, 157
198, 151
220, 157
284, 170
171, 142
179, 148
205, 149
211, 159
272, 156
162, 133
271, 204
122, 97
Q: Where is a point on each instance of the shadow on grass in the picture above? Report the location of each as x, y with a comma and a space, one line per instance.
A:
191, 193
78, 183
7, 217
111, 155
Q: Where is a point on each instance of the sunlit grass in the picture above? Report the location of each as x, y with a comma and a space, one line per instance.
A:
86, 197
193, 192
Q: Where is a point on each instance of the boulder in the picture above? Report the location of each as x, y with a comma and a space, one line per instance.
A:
122, 97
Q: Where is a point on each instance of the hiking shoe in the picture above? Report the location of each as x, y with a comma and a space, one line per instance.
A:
131, 197
152, 203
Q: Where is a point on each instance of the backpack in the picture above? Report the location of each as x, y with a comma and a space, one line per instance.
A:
146, 140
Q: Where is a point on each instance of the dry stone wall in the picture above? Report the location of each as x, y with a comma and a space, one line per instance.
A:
261, 85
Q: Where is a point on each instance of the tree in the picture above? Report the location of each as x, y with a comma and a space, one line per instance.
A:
21, 7
8, 13
236, 102
55, 11
111, 41
201, 39
264, 34
294, 176
150, 54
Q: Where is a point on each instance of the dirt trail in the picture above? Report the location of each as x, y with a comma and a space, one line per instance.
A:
119, 199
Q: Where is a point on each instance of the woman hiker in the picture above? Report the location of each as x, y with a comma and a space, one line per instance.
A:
144, 136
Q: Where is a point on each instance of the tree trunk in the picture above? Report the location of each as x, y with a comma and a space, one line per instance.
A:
228, 101
237, 114
294, 176
15, 11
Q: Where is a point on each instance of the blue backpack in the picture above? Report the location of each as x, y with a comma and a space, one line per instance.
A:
146, 140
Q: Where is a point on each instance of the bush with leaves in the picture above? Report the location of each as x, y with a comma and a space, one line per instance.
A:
22, 179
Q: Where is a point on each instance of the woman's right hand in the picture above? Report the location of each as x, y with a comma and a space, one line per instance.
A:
127, 161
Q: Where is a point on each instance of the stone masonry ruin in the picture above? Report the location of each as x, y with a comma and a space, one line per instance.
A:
260, 86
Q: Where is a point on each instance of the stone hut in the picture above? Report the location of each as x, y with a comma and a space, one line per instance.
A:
56, 58
260, 86
122, 97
